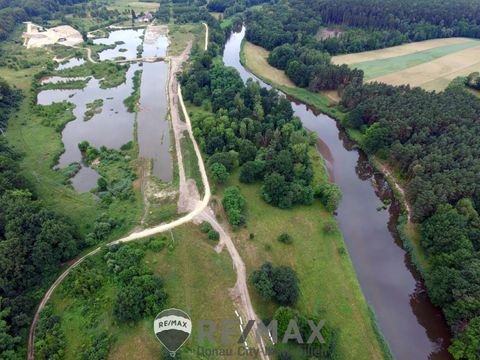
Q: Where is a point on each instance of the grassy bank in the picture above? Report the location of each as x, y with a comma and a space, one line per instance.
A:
190, 163
408, 232
328, 285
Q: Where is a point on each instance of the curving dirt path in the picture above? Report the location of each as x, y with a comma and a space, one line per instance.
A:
206, 36
199, 210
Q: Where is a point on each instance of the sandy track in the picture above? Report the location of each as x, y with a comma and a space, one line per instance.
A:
239, 292
200, 210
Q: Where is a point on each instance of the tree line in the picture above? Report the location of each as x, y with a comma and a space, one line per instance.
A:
295, 50
14, 12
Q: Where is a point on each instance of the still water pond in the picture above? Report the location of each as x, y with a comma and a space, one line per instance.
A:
113, 125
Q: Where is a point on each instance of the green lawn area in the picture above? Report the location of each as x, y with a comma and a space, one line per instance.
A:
376, 68
195, 277
328, 284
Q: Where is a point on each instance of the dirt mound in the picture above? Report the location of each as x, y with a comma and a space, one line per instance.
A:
38, 36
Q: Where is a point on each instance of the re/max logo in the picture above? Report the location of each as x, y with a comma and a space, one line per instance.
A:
229, 331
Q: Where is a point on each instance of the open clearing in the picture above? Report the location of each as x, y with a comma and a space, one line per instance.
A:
431, 64
257, 60
37, 36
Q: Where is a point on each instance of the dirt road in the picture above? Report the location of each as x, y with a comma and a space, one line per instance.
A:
189, 200
206, 36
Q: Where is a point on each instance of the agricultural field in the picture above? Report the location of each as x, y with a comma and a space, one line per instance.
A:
431, 64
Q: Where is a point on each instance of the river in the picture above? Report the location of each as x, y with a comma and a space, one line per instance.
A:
413, 327
113, 126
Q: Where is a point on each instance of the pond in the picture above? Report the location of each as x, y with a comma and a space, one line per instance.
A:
113, 126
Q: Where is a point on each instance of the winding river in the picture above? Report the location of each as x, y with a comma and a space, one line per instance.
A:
413, 327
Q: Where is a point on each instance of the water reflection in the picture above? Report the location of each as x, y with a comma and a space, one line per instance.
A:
414, 328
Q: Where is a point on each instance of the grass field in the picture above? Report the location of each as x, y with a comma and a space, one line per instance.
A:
328, 284
180, 35
137, 6
195, 278
431, 64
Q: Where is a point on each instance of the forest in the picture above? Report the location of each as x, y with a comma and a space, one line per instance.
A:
34, 242
252, 128
362, 25
295, 50
433, 140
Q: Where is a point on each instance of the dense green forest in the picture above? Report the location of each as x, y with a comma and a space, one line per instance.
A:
364, 25
433, 139
34, 242
295, 48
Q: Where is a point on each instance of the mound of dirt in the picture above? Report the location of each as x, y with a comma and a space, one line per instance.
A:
38, 36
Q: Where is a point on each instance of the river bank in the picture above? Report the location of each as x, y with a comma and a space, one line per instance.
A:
432, 335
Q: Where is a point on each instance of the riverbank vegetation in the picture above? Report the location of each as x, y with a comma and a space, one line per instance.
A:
431, 145
132, 102
273, 165
95, 107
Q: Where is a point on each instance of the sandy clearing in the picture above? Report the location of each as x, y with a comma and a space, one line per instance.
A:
447, 67
37, 36
396, 50
257, 59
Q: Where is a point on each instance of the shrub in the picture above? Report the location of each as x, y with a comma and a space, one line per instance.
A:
213, 235
329, 227
219, 173
234, 204
205, 227
277, 283
330, 195
285, 238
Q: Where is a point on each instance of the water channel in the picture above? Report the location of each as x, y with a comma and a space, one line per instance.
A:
413, 327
